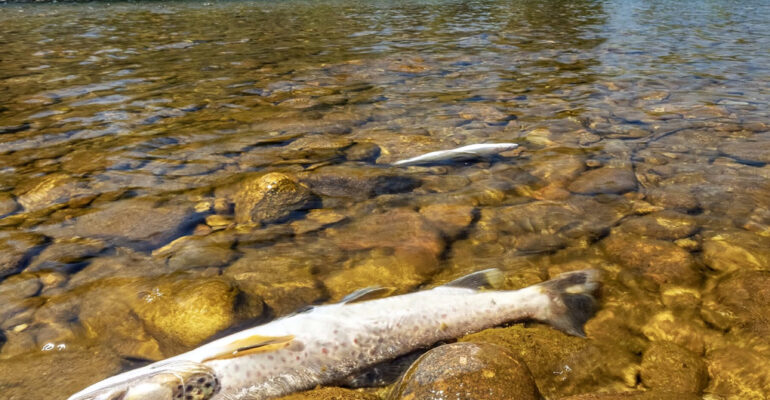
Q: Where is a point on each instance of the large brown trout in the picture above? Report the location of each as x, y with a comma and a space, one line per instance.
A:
329, 343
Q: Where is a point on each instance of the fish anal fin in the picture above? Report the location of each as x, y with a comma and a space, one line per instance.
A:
487, 279
369, 293
251, 345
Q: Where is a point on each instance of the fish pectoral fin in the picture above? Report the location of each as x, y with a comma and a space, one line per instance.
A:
251, 345
369, 293
381, 374
487, 279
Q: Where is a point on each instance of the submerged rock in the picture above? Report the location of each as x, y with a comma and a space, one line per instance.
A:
740, 302
315, 220
188, 310
467, 371
57, 188
48, 366
450, 219
736, 250
666, 366
16, 248
400, 270
358, 182
661, 261
105, 313
636, 395
604, 180
269, 198
199, 252
666, 225
675, 197
7, 204
65, 255
140, 223
363, 151
399, 228
546, 226
280, 276
738, 373
748, 151
330, 394
564, 365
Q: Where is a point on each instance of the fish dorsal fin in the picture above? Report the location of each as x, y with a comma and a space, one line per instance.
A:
487, 279
369, 293
250, 345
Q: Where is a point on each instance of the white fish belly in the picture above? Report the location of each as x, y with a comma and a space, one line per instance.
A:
332, 342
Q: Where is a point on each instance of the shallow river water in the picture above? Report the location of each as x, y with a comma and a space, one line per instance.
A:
137, 219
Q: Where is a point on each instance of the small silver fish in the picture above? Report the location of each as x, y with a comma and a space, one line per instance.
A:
469, 152
332, 342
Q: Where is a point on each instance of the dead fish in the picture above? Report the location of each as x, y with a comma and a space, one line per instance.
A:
329, 343
459, 154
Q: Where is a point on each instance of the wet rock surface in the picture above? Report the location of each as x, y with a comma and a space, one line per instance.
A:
269, 198
467, 371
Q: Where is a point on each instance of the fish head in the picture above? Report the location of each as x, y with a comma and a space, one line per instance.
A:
165, 381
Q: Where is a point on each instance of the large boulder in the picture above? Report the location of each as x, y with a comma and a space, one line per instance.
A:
467, 371
269, 198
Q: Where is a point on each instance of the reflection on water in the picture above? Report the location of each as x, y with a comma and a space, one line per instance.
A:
135, 220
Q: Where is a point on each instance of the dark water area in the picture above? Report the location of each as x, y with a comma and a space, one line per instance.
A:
173, 170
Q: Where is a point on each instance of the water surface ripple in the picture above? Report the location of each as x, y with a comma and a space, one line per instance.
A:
134, 139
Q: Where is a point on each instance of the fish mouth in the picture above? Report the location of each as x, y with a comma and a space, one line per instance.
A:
172, 381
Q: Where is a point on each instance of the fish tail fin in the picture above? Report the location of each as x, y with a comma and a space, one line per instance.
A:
572, 300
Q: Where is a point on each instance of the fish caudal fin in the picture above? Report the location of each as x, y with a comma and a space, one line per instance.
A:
572, 300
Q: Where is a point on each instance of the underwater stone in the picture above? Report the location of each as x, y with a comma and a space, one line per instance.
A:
467, 371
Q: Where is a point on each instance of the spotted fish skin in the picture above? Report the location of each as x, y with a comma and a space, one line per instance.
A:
332, 342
